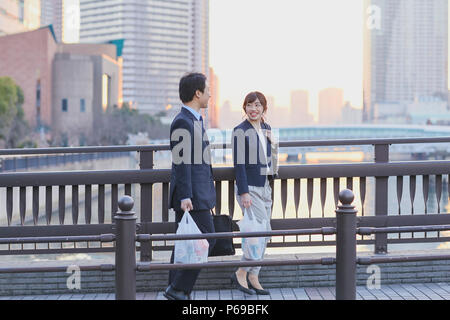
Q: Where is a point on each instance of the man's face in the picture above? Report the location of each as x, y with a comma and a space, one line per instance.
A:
204, 97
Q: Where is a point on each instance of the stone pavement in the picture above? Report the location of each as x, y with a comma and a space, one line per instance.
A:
420, 291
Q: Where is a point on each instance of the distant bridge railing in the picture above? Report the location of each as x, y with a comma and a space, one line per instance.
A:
20, 163
27, 206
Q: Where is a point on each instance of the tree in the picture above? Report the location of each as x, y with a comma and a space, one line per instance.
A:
116, 123
14, 130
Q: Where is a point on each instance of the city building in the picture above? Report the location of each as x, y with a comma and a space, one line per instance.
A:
350, 115
405, 52
86, 81
19, 16
331, 101
422, 111
66, 86
64, 16
271, 115
162, 41
277, 116
213, 108
300, 108
428, 110
230, 118
281, 118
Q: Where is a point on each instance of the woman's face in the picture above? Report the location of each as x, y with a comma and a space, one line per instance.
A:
254, 110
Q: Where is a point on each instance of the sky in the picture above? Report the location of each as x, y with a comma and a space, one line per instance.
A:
276, 46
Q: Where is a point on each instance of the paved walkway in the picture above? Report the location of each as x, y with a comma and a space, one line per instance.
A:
422, 291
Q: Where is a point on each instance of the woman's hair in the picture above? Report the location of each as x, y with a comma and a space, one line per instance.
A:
189, 84
251, 97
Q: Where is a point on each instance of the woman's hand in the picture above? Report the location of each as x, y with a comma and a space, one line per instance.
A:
246, 200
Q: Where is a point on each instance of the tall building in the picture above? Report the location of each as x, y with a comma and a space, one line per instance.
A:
350, 115
163, 40
64, 16
230, 117
271, 114
331, 101
200, 45
213, 108
405, 51
19, 16
300, 108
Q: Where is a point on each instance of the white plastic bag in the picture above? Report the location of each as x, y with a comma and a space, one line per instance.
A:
190, 251
252, 248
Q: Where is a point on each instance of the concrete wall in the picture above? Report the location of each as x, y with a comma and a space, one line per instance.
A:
105, 65
79, 76
89, 49
73, 80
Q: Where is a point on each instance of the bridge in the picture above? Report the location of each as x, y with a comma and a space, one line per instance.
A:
363, 131
306, 198
313, 137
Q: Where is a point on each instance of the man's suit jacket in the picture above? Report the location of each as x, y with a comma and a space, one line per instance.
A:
191, 179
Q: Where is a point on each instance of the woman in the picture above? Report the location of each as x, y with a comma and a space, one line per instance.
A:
253, 151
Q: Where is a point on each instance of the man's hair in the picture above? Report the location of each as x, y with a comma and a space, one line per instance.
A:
189, 84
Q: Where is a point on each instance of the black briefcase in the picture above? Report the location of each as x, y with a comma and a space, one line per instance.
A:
224, 246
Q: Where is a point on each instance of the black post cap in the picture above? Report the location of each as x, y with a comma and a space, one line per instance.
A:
126, 203
346, 196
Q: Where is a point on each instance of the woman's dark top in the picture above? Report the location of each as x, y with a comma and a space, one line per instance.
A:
250, 165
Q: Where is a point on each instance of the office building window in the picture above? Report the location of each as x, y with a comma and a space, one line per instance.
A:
106, 91
21, 10
82, 105
38, 93
64, 105
38, 102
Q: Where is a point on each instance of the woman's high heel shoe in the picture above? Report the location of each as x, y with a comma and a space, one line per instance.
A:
258, 291
235, 281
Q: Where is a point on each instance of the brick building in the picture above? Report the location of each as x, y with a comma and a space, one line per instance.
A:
65, 86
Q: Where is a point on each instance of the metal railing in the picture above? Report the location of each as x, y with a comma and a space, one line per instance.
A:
27, 162
84, 187
346, 258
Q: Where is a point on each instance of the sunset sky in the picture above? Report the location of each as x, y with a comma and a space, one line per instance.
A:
276, 46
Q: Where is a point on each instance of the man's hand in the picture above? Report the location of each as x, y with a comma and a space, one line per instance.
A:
186, 205
246, 200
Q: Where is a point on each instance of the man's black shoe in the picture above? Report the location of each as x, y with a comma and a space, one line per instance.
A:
172, 294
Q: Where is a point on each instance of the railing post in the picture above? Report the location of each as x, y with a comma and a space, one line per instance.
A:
146, 162
381, 196
346, 247
125, 221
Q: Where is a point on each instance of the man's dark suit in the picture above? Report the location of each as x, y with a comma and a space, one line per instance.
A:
193, 180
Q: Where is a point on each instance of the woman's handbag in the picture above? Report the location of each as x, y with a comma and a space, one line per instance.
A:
224, 246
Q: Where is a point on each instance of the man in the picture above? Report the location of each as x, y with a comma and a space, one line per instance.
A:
191, 183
